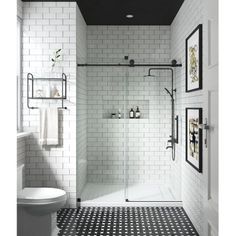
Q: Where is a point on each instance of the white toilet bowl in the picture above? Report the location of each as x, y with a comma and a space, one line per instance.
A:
41, 201
36, 209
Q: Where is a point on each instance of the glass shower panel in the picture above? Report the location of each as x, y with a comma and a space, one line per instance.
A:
149, 167
105, 135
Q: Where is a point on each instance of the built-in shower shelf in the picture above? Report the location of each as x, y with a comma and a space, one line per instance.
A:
138, 119
131, 121
126, 119
113, 106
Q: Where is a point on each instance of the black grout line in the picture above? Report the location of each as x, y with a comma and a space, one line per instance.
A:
125, 221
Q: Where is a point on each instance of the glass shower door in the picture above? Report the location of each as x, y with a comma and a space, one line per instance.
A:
105, 136
150, 171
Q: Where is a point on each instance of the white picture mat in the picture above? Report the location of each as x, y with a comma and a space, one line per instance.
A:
192, 114
192, 41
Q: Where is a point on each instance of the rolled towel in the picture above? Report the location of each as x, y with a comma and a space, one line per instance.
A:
48, 127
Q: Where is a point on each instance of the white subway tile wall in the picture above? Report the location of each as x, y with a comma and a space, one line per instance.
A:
89, 139
110, 87
81, 103
47, 27
21, 154
142, 43
21, 151
19, 8
189, 16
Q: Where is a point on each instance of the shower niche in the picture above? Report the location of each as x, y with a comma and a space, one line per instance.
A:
111, 109
119, 109
143, 106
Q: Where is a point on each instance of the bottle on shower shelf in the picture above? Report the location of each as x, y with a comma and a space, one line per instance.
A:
119, 114
113, 115
131, 113
137, 113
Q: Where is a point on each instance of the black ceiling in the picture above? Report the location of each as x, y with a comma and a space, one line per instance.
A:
113, 12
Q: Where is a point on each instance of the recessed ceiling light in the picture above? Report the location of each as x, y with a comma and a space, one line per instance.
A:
129, 16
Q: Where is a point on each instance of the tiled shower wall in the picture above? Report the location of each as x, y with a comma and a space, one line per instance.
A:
187, 19
21, 154
81, 103
19, 8
148, 159
20, 141
21, 151
48, 26
142, 43
108, 88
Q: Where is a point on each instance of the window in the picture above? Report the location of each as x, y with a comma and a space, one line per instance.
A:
18, 75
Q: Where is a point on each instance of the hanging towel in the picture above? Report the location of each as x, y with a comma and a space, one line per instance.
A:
48, 133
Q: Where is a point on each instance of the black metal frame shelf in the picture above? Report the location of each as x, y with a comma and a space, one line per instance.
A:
47, 98
63, 81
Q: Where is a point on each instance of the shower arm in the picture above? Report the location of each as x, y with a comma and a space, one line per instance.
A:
172, 78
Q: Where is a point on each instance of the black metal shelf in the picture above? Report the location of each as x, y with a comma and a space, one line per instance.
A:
63, 80
48, 79
47, 98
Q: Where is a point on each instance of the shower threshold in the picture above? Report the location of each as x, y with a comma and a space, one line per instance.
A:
101, 194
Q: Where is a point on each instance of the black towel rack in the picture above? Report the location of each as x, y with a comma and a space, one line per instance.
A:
63, 79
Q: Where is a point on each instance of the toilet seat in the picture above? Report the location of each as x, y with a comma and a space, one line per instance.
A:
40, 196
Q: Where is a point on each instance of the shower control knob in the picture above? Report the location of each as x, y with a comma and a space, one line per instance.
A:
206, 126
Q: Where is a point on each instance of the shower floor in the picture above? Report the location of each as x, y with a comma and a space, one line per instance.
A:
98, 194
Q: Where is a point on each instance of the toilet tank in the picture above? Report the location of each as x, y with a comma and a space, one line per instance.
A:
20, 177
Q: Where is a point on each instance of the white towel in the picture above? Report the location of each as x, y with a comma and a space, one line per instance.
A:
48, 133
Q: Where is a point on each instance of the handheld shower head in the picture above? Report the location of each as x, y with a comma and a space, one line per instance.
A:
169, 93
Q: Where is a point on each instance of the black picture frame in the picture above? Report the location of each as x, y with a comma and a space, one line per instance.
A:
193, 45
193, 137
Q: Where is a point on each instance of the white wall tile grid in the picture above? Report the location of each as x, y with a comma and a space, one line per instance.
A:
21, 151
19, 8
81, 103
21, 154
189, 16
142, 43
48, 26
148, 161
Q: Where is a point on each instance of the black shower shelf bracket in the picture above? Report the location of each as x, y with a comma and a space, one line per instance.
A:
31, 79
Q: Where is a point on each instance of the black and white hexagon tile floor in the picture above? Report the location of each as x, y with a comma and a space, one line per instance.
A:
124, 221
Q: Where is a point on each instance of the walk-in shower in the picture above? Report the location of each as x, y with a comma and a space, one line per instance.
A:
127, 159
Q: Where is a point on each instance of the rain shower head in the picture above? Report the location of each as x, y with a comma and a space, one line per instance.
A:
149, 75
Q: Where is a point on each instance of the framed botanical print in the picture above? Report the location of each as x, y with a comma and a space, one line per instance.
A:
194, 138
194, 60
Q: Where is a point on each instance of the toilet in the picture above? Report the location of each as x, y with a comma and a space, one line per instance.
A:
36, 208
